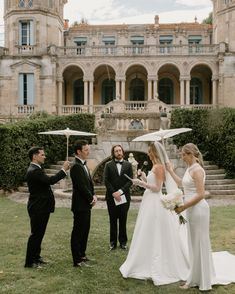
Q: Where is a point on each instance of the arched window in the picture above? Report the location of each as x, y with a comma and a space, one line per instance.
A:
136, 90
108, 91
30, 3
78, 92
195, 91
21, 3
166, 91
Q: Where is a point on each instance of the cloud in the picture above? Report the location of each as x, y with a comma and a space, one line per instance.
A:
137, 11
192, 3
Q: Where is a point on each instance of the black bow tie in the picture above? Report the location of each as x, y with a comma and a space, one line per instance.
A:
120, 162
84, 163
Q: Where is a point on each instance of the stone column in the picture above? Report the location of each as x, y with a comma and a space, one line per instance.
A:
123, 98
182, 93
149, 90
60, 95
85, 92
155, 89
187, 91
214, 91
117, 89
91, 97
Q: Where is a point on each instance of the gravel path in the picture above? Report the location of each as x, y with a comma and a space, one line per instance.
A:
65, 202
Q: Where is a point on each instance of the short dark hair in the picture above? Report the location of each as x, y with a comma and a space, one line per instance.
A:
79, 144
34, 150
112, 150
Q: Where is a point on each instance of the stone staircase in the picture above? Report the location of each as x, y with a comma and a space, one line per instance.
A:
216, 185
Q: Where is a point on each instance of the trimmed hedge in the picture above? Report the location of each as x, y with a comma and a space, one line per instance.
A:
17, 138
213, 131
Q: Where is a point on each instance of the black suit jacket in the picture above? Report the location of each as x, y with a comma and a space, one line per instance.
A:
83, 188
113, 181
41, 197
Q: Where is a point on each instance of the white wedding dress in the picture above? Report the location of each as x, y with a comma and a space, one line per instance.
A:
206, 268
157, 250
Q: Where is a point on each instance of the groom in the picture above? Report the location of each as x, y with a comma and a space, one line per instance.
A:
117, 188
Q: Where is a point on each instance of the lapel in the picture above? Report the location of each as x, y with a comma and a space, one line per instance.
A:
87, 172
116, 169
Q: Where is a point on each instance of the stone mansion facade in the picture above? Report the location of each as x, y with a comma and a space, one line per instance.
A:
49, 65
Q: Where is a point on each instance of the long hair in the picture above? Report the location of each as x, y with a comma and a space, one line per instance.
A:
154, 151
191, 148
112, 150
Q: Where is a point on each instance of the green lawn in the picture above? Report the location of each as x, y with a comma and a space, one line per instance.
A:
60, 277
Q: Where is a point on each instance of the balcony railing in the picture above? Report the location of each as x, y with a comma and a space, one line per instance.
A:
135, 50
25, 109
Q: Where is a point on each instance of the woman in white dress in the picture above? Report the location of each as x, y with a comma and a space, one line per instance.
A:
156, 251
202, 272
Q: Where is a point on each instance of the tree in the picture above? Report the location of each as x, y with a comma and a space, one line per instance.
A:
209, 19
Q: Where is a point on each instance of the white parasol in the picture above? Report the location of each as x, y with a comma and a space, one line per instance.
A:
161, 135
67, 132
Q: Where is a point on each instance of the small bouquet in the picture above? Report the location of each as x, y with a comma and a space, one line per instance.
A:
172, 200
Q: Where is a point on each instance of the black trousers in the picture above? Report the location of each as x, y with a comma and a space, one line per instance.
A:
38, 224
79, 236
118, 216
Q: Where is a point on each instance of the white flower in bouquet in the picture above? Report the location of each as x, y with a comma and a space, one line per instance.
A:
172, 200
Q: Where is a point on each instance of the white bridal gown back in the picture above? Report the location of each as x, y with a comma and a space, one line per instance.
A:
158, 249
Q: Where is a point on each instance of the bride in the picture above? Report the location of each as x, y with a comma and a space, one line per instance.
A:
156, 251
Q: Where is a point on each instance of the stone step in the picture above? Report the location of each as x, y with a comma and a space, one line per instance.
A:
215, 171
220, 182
220, 187
211, 166
215, 177
222, 192
56, 167
51, 171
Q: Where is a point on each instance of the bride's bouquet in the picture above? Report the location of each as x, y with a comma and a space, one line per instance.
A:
172, 200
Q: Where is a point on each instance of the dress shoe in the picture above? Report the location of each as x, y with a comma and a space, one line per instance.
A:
123, 246
112, 247
33, 265
81, 264
86, 259
41, 261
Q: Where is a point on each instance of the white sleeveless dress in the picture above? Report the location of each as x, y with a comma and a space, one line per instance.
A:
156, 251
206, 269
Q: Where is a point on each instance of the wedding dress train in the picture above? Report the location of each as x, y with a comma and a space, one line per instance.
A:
157, 250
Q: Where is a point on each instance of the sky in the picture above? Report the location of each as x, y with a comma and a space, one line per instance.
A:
131, 11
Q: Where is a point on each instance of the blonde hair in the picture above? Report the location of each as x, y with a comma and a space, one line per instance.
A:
191, 148
153, 149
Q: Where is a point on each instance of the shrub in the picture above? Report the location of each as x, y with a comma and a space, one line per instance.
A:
17, 138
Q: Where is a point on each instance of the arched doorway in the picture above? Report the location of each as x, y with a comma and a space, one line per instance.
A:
108, 91
78, 92
136, 90
195, 91
166, 90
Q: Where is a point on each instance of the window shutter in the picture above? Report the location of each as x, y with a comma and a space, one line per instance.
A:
21, 89
30, 89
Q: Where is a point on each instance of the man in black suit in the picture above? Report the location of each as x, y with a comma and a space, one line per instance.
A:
40, 204
83, 198
118, 187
